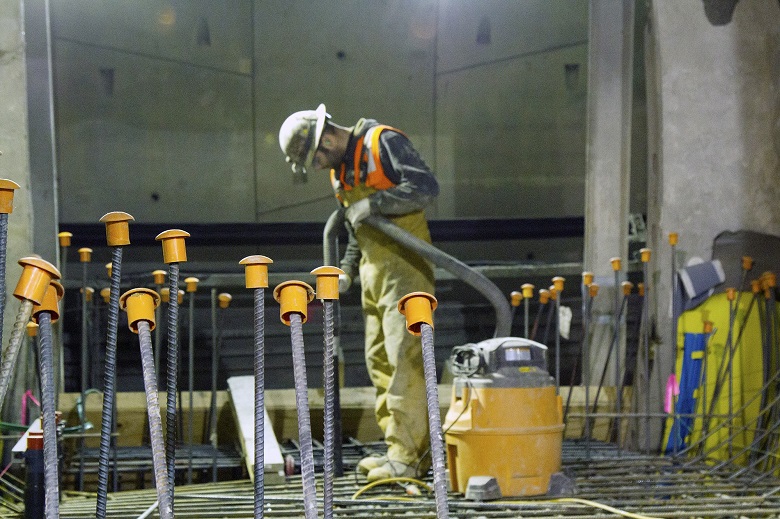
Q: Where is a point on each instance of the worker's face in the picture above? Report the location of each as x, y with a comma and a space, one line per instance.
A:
328, 154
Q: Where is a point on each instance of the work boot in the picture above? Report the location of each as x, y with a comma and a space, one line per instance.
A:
369, 463
391, 469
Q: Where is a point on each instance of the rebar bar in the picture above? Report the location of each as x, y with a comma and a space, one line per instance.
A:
107, 422
646, 348
84, 363
14, 344
213, 403
3, 247
329, 409
190, 384
259, 370
155, 420
50, 465
304, 423
434, 421
171, 385
526, 324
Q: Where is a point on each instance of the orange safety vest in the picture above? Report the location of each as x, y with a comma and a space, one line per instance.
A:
368, 168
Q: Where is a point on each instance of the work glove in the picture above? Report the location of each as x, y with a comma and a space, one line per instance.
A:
345, 282
358, 212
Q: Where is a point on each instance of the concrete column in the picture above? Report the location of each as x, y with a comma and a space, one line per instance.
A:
14, 161
607, 179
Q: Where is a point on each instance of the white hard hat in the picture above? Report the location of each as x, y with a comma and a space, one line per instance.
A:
300, 136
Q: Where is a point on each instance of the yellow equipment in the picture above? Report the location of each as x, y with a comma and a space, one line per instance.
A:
504, 427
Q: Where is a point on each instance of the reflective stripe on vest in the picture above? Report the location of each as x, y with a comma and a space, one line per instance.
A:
366, 159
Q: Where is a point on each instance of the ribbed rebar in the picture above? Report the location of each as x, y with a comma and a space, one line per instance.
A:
190, 385
646, 348
84, 365
329, 410
14, 344
434, 421
213, 403
50, 465
109, 383
3, 247
526, 324
171, 385
304, 422
558, 343
259, 368
155, 420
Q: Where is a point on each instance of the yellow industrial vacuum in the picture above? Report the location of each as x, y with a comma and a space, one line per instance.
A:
504, 427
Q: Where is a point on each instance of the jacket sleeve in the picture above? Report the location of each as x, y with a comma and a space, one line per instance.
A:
415, 188
350, 262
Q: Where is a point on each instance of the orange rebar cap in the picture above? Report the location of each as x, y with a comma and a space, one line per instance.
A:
105, 293
544, 296
528, 290
708, 326
7, 188
174, 250
117, 228
515, 297
644, 254
627, 287
32, 329
85, 254
35, 279
587, 278
731, 293
256, 270
293, 297
418, 308
192, 284
615, 263
139, 303
755, 286
65, 238
51, 302
673, 236
90, 293
747, 263
159, 277
327, 282
593, 289
224, 299
109, 269
558, 283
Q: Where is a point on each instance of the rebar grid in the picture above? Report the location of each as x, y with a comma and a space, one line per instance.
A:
650, 485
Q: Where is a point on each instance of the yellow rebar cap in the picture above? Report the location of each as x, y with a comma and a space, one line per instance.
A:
165, 294
117, 228
644, 254
327, 282
640, 287
558, 283
35, 278
593, 289
544, 296
708, 326
256, 270
105, 293
7, 188
731, 293
755, 286
85, 254
65, 238
293, 297
673, 236
224, 299
769, 279
418, 308
515, 297
90, 293
32, 329
109, 269
139, 303
174, 250
50, 303
747, 263
159, 277
553, 292
528, 290
627, 287
615, 263
587, 278
192, 284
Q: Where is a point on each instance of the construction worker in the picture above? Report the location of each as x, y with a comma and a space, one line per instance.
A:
374, 169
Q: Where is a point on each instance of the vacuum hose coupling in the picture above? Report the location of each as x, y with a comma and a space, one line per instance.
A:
139, 303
